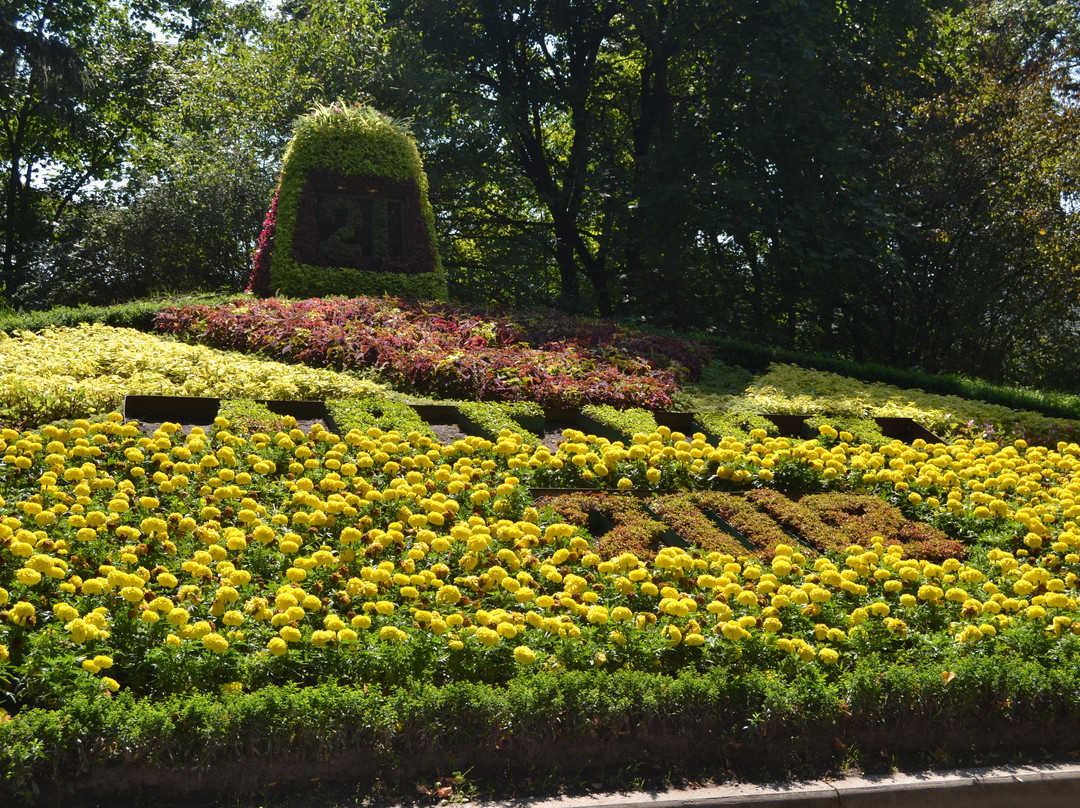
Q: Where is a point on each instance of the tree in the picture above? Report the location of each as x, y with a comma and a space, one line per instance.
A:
672, 144
183, 205
79, 83
529, 73
985, 270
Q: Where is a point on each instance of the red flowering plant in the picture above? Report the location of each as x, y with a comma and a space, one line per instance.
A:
450, 351
259, 282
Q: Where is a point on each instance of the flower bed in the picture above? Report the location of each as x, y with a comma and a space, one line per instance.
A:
257, 569
383, 546
451, 352
76, 372
792, 389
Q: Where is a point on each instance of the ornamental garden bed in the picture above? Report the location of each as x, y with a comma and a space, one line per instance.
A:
256, 600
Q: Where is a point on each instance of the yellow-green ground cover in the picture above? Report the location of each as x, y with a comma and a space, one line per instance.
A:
785, 388
78, 371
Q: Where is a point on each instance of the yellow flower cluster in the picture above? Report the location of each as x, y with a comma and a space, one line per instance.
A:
225, 543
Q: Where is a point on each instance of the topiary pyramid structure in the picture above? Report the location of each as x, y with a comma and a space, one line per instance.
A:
351, 214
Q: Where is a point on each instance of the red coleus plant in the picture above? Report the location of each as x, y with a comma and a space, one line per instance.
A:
259, 282
450, 351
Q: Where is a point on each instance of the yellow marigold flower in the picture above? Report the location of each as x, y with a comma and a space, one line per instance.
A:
673, 635
132, 594
200, 629
110, 684
392, 634
772, 625
828, 655
447, 595
28, 577
277, 646
215, 642
524, 655
1035, 613
321, 637
178, 616
621, 614
1023, 588
167, 580
507, 630
487, 636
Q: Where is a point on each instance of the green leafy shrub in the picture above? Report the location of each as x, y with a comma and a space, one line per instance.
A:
375, 412
861, 430
247, 415
737, 425
138, 314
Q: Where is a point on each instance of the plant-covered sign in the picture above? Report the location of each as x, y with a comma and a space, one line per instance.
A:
351, 214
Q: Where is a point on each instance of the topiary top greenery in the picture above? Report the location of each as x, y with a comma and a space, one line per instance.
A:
351, 214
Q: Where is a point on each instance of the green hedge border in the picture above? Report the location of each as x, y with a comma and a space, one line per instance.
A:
546, 727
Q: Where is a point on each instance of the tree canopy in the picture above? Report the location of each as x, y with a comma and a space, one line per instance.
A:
892, 181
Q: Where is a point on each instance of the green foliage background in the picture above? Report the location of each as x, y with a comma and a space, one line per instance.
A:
892, 183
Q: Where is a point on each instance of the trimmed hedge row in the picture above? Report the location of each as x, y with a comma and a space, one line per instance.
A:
138, 314
544, 727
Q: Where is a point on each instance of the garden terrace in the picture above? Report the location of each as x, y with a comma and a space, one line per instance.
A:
438, 598
233, 561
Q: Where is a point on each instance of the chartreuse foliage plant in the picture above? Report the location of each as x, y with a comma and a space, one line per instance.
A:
756, 358
796, 390
78, 372
620, 423
375, 412
735, 424
491, 418
351, 215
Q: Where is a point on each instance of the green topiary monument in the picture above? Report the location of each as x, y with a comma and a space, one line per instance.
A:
351, 214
